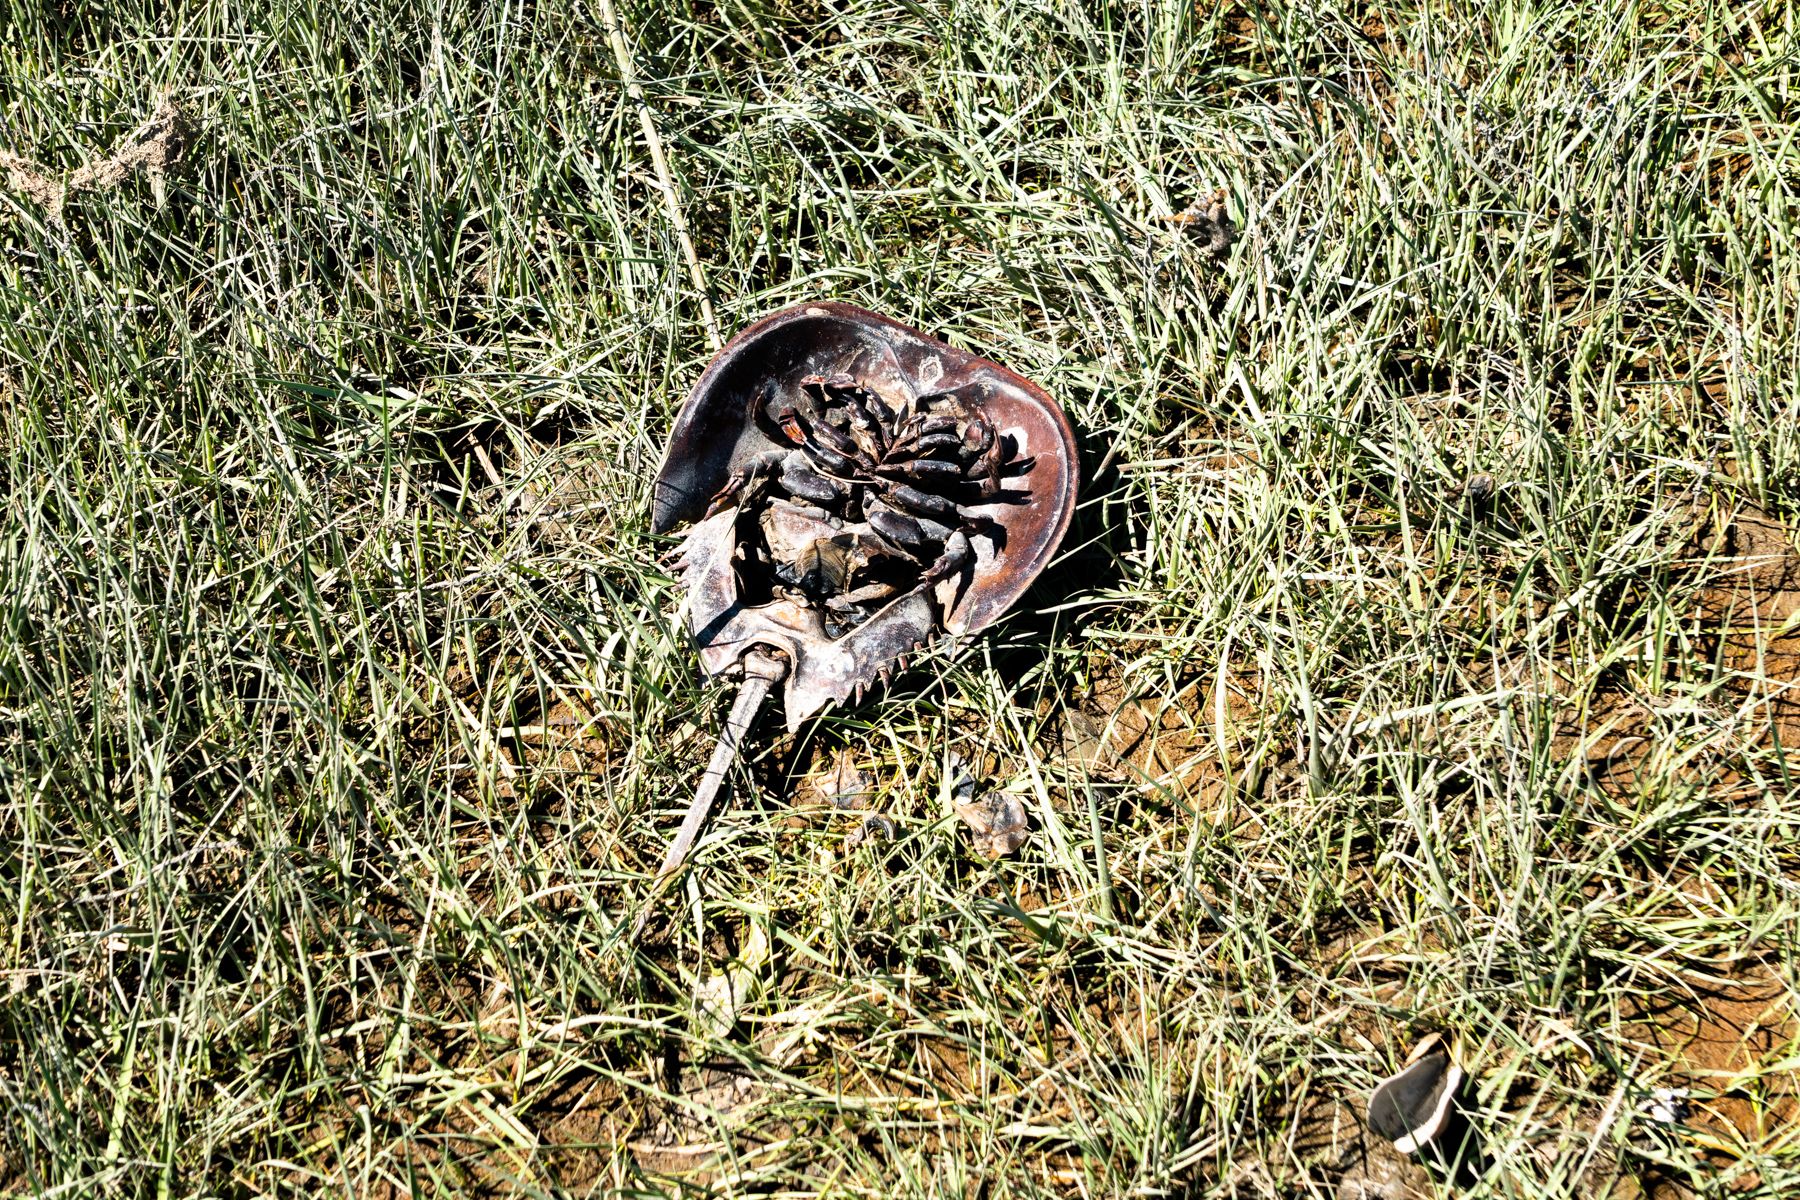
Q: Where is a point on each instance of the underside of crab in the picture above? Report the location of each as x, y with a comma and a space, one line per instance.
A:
857, 489
846, 544
867, 495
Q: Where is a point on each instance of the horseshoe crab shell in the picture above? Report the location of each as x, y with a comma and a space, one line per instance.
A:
714, 437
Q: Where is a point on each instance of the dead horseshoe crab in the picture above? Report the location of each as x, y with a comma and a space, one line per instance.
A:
856, 490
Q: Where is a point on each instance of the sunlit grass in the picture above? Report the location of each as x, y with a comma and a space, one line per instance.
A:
345, 712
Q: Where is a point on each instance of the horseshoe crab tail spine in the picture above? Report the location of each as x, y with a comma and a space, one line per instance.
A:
762, 671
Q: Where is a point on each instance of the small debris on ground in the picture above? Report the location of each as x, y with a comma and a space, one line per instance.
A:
1410, 1108
155, 148
1208, 224
719, 998
1477, 488
1668, 1106
24, 177
844, 785
997, 818
874, 828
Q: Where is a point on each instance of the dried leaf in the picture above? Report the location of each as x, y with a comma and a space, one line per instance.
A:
719, 999
998, 821
1208, 224
1478, 487
844, 785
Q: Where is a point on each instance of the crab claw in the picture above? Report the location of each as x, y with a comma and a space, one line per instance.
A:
977, 436
754, 470
957, 551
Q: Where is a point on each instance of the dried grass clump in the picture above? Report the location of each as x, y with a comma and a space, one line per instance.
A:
155, 148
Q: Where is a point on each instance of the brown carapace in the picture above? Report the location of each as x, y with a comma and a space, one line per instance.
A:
857, 489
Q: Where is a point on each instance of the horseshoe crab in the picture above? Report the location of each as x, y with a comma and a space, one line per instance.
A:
856, 489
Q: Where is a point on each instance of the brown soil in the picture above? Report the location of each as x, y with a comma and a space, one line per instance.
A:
1750, 611
1331, 1143
568, 743
682, 1143
1727, 1044
1734, 1046
1745, 623
1162, 743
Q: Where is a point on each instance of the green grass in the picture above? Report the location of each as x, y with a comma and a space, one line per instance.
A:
325, 487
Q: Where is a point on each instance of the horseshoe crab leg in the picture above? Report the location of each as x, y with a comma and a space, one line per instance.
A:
762, 671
